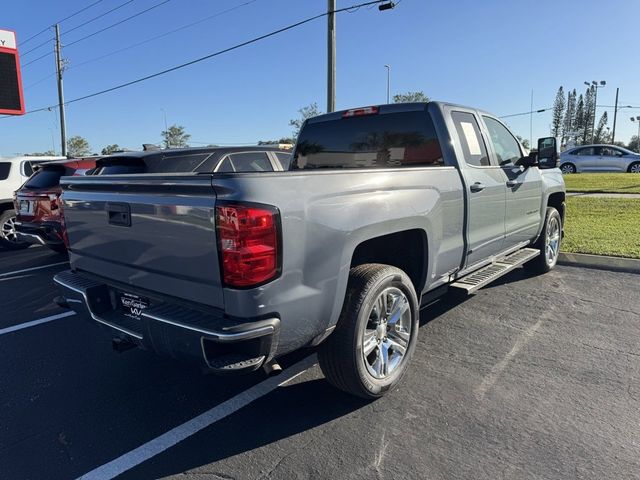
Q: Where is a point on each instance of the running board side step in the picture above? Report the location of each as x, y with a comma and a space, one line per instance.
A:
478, 279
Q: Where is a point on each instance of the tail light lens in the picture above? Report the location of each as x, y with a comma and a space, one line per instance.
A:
248, 244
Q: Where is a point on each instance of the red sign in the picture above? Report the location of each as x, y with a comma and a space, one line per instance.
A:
11, 97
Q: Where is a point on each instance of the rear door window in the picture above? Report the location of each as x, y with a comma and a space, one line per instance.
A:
176, 162
5, 168
246, 162
473, 147
391, 140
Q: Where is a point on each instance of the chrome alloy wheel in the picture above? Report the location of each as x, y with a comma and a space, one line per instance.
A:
387, 333
8, 230
635, 168
552, 244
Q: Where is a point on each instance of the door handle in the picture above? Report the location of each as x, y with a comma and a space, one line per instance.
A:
512, 183
118, 214
477, 187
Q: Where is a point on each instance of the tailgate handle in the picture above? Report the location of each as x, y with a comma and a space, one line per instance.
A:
119, 214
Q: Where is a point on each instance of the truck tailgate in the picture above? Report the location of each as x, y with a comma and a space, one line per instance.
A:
152, 232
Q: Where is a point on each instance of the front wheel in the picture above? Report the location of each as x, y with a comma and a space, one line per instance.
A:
634, 167
374, 340
9, 238
548, 243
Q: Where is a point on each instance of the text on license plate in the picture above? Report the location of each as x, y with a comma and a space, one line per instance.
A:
133, 305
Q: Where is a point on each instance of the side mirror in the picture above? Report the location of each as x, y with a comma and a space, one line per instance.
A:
547, 152
528, 161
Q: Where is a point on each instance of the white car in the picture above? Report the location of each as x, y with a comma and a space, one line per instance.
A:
13, 173
599, 158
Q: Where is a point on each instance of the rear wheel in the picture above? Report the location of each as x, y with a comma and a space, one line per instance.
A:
634, 168
568, 168
548, 244
9, 238
374, 340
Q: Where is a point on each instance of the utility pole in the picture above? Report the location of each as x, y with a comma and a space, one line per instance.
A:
388, 67
615, 115
331, 56
59, 70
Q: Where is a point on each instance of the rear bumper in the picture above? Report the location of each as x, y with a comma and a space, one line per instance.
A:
45, 233
211, 340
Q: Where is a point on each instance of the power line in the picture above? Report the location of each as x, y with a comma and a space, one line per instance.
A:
98, 31
60, 21
99, 16
206, 57
124, 49
37, 46
117, 23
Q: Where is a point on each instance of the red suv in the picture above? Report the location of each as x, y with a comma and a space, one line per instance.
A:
37, 203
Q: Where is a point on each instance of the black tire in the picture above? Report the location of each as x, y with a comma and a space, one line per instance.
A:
543, 262
8, 238
634, 167
568, 168
341, 356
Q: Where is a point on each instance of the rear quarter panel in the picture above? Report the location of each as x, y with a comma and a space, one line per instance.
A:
325, 216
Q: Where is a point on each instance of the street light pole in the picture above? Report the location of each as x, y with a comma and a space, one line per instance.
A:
615, 115
331, 56
637, 119
388, 67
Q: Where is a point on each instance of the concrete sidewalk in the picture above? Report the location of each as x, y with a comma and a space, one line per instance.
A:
604, 195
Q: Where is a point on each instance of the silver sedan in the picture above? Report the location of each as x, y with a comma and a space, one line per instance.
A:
599, 158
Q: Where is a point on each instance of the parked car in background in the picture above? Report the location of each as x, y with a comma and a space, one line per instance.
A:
599, 158
207, 159
37, 203
13, 173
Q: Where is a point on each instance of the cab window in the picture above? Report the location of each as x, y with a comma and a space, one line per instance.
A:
505, 145
473, 147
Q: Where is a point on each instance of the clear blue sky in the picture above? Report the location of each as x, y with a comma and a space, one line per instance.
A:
487, 54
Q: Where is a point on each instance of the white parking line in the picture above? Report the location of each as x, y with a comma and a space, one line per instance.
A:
174, 436
33, 323
31, 269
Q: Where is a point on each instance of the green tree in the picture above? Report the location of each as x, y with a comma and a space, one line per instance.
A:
558, 114
524, 142
600, 135
78, 146
309, 111
579, 123
634, 144
175, 137
589, 114
417, 96
569, 117
48, 153
109, 149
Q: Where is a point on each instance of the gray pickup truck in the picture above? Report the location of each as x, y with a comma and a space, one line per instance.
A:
382, 210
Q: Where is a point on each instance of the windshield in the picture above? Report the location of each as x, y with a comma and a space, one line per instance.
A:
46, 178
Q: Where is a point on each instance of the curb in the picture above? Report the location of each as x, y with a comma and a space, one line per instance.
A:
600, 262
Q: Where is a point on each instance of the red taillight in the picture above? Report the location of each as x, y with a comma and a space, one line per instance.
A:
248, 243
358, 112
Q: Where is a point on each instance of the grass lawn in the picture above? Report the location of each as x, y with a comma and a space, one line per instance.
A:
603, 226
603, 182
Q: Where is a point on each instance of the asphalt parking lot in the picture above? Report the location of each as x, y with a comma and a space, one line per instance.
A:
534, 377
